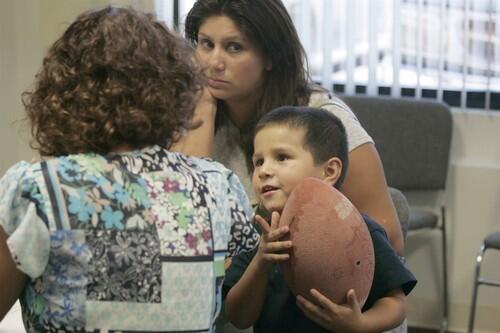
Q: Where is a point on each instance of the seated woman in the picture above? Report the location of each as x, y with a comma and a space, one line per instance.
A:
255, 62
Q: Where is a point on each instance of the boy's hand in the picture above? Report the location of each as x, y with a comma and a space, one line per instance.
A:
270, 245
334, 317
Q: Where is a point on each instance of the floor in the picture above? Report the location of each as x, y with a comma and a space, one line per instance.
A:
419, 330
12, 323
422, 330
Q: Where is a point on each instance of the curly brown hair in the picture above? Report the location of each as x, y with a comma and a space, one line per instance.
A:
116, 77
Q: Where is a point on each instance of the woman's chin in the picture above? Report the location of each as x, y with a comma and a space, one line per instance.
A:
217, 93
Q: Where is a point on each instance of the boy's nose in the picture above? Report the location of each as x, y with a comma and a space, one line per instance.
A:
265, 170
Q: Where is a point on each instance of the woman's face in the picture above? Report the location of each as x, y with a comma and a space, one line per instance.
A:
235, 66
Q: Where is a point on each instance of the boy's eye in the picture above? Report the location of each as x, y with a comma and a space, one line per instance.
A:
258, 162
234, 47
282, 157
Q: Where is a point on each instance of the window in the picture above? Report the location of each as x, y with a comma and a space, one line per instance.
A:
443, 49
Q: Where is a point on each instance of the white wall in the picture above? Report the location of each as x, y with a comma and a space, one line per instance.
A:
27, 29
474, 211
17, 62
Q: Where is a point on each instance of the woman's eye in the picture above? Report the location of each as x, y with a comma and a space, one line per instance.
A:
205, 43
234, 47
282, 157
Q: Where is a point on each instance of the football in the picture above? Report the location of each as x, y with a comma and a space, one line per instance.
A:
332, 248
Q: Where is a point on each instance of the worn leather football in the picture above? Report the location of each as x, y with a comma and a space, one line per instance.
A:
332, 249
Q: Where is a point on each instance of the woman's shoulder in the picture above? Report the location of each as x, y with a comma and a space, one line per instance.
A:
15, 172
356, 134
327, 100
19, 187
211, 166
20, 175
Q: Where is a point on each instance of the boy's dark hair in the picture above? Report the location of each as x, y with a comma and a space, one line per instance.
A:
324, 136
115, 77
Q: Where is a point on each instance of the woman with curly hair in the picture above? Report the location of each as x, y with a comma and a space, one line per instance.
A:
112, 230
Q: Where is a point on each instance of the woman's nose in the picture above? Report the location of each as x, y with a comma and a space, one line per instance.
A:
216, 60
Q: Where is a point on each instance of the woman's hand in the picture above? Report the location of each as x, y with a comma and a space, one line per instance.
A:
199, 141
206, 103
331, 316
271, 246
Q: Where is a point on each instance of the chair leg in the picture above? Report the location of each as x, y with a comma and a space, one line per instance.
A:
475, 287
444, 321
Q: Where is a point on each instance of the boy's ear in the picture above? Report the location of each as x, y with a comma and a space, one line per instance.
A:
332, 170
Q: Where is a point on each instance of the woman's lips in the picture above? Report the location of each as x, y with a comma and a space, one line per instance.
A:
217, 84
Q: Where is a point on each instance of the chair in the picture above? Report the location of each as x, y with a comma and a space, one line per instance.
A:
402, 209
492, 241
413, 138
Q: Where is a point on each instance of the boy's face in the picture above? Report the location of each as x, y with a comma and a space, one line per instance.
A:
280, 162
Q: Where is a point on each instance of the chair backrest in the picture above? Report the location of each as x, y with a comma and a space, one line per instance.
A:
402, 209
413, 138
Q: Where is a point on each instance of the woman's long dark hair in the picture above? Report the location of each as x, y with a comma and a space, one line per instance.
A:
268, 24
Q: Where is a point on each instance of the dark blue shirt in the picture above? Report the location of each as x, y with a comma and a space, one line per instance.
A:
280, 312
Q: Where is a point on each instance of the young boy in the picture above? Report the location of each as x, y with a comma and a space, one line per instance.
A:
290, 144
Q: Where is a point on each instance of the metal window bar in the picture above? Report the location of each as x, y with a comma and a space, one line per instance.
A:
175, 18
305, 24
396, 48
327, 70
465, 63
349, 41
372, 49
496, 60
489, 57
165, 10
418, 88
441, 49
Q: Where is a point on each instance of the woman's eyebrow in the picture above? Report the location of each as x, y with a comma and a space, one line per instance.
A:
235, 37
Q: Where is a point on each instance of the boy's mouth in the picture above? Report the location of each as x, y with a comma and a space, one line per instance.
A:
268, 188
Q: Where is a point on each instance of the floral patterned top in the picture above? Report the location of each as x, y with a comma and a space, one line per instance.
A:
124, 242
